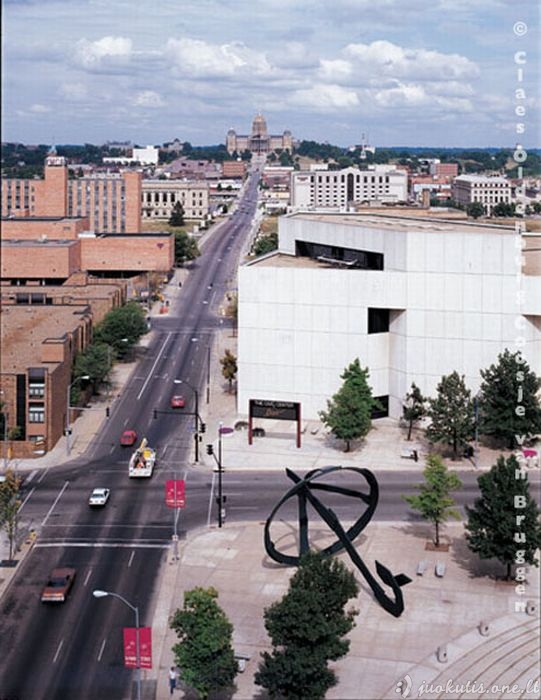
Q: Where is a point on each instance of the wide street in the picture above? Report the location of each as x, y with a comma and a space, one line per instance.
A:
71, 650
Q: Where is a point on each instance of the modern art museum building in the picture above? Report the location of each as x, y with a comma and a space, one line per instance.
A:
413, 297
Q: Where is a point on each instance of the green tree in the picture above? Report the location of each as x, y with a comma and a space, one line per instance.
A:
204, 653
504, 209
349, 412
451, 413
475, 210
177, 215
509, 409
433, 501
229, 367
504, 522
95, 362
414, 407
186, 248
9, 507
307, 628
266, 244
121, 328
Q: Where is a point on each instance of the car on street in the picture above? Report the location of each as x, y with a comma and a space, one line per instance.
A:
58, 586
128, 438
177, 401
99, 497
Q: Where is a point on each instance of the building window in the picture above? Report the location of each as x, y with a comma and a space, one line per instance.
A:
381, 410
378, 320
36, 413
36, 389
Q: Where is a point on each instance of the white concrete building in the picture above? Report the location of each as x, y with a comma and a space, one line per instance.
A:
146, 156
412, 298
341, 189
477, 188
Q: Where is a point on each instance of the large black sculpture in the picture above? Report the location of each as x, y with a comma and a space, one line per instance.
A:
303, 490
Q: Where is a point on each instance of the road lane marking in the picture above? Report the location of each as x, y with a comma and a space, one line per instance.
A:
131, 558
103, 545
150, 374
26, 499
101, 649
55, 502
87, 577
58, 651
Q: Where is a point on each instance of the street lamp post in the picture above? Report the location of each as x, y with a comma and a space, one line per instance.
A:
78, 379
220, 497
103, 594
196, 416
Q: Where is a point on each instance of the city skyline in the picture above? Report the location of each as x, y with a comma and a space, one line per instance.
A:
416, 75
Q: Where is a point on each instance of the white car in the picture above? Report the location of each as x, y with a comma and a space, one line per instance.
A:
99, 497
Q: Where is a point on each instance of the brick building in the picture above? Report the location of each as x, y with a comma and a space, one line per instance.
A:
111, 202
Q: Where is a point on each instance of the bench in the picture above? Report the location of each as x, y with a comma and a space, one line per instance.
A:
421, 567
440, 569
409, 454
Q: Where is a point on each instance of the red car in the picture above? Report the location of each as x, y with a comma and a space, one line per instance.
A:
58, 586
177, 402
128, 438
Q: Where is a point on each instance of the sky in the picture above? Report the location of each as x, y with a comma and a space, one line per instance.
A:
401, 72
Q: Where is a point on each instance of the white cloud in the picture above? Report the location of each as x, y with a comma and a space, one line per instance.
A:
108, 51
198, 59
386, 59
148, 98
326, 97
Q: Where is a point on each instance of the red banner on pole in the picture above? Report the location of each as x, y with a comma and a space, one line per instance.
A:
145, 647
175, 493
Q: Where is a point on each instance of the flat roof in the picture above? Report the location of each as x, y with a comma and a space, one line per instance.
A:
405, 222
25, 328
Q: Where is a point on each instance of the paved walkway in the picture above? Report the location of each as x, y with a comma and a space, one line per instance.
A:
439, 612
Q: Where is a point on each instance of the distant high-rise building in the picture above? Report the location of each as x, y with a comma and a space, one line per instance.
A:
259, 141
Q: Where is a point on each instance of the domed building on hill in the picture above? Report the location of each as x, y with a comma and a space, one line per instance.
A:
259, 141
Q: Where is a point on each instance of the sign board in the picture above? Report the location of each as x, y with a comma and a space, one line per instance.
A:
175, 493
277, 410
145, 647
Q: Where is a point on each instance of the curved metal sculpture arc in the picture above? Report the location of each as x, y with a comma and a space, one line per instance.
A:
303, 489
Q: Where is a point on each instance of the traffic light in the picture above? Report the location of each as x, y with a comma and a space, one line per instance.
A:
107, 411
202, 427
155, 414
210, 450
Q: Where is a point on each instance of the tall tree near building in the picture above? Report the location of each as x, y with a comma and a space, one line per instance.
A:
307, 628
177, 215
9, 508
504, 522
433, 501
451, 414
349, 412
204, 653
475, 210
186, 248
229, 367
414, 407
509, 409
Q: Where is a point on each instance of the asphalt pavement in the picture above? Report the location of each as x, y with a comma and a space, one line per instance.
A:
465, 626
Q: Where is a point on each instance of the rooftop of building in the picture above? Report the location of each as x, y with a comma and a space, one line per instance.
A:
403, 220
25, 328
483, 179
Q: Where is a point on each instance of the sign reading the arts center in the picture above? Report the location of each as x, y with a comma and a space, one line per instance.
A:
275, 410
278, 410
